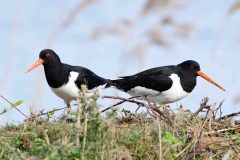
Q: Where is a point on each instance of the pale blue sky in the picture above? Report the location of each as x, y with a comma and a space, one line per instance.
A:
26, 27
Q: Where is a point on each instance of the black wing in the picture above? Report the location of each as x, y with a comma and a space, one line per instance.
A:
164, 70
155, 78
88, 78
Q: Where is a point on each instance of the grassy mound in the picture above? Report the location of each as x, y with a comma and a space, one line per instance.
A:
123, 135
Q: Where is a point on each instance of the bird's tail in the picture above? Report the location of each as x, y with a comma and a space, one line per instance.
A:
115, 83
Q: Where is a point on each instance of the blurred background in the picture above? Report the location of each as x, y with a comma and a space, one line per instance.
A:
116, 38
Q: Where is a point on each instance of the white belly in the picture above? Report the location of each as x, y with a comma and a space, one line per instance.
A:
173, 94
68, 91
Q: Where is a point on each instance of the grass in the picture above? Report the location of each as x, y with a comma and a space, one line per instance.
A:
122, 135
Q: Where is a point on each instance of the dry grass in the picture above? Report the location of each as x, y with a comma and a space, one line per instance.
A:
124, 135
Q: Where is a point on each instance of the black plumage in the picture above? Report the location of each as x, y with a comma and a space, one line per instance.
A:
168, 83
60, 76
158, 78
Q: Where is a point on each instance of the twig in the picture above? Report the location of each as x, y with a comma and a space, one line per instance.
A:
193, 153
219, 108
203, 105
137, 109
12, 107
150, 107
215, 150
78, 124
220, 131
45, 113
186, 148
159, 138
229, 115
123, 101
128, 113
196, 145
84, 134
46, 137
159, 113
54, 110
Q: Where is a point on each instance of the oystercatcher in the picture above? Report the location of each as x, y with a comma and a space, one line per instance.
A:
165, 84
66, 80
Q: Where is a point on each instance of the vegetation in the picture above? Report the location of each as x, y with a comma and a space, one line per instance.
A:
123, 135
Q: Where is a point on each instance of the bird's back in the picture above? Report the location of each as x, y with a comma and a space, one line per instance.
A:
147, 78
87, 77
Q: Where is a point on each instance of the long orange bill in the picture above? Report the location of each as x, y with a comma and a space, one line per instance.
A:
200, 73
35, 65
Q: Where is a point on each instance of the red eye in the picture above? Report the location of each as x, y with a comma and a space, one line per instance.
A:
48, 55
192, 66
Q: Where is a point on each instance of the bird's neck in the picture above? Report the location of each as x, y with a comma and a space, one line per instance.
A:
188, 81
56, 75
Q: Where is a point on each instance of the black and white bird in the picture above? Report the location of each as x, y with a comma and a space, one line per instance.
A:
66, 80
163, 85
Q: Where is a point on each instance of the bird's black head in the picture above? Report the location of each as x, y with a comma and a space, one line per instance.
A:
192, 69
48, 58
190, 66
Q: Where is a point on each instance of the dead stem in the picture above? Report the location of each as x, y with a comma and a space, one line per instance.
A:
203, 106
12, 106
229, 115
155, 112
46, 137
78, 124
221, 130
84, 134
123, 101
159, 138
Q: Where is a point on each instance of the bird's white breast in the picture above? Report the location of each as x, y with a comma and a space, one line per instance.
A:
173, 94
68, 91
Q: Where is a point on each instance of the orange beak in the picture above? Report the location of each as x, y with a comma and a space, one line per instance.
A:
200, 73
35, 65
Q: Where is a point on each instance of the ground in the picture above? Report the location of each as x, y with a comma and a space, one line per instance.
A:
121, 134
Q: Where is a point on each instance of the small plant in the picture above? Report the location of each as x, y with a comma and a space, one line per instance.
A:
12, 105
171, 139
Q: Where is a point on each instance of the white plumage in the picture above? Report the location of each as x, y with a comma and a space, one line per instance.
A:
68, 91
173, 94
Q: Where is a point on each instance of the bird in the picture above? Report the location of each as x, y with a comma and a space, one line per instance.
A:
66, 80
163, 85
